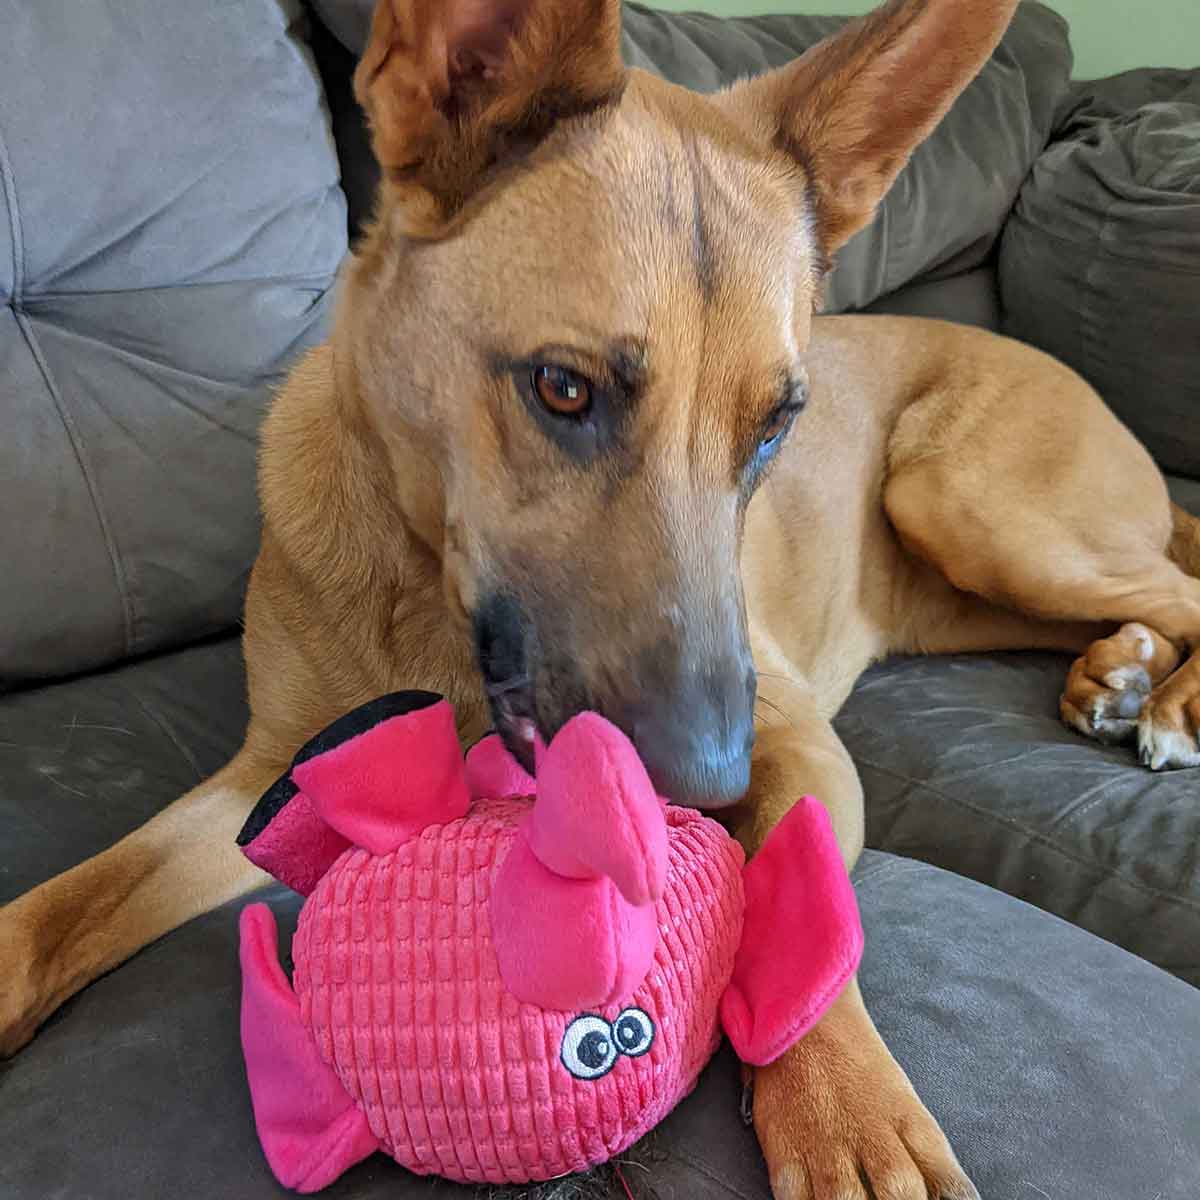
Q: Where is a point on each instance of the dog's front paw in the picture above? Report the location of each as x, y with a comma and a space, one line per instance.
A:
838, 1120
1107, 687
1169, 727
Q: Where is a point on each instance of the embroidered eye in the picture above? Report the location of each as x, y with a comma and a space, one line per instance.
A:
633, 1031
588, 1051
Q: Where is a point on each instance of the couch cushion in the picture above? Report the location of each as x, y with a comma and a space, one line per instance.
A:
966, 764
1185, 492
983, 149
1100, 263
170, 223
84, 761
1009, 1022
970, 299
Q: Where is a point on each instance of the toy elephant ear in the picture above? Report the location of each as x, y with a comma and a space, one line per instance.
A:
802, 938
374, 778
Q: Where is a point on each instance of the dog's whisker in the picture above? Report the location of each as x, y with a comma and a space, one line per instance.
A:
775, 709
782, 679
506, 686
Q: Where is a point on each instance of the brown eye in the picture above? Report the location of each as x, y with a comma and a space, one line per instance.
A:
565, 393
776, 427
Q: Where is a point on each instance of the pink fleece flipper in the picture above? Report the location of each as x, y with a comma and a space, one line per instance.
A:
295, 846
311, 1130
802, 939
597, 813
573, 918
493, 773
382, 787
567, 943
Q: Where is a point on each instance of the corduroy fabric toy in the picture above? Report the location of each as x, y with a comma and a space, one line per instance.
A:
500, 980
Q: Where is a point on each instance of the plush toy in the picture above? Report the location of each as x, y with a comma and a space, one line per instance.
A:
500, 980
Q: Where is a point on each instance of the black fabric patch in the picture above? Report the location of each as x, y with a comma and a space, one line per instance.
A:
358, 720
478, 740
270, 805
365, 716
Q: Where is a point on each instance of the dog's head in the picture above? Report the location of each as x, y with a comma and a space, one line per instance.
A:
580, 321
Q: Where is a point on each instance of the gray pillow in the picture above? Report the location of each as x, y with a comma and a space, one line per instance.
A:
170, 223
1100, 263
946, 210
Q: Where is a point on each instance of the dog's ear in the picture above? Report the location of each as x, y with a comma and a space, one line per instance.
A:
853, 108
451, 86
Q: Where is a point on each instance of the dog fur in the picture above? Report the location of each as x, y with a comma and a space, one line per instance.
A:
941, 489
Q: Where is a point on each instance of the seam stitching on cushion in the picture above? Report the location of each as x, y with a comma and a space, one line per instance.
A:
8, 178
1094, 795
73, 437
14, 216
319, 282
1036, 836
901, 866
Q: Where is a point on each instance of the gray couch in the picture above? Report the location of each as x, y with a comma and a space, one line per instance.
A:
178, 183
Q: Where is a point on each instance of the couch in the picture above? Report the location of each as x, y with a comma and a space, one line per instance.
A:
178, 185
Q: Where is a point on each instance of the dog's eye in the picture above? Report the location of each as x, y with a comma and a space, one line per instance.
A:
563, 392
793, 400
776, 427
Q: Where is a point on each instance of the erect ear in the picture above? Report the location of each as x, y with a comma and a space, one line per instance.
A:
450, 85
852, 109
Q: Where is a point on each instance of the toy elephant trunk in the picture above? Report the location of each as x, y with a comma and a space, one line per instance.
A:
501, 980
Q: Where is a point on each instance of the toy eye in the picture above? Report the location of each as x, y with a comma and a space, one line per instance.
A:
633, 1032
587, 1048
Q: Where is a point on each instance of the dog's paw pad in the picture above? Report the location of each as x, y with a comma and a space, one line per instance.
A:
1108, 686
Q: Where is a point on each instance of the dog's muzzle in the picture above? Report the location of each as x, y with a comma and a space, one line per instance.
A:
693, 729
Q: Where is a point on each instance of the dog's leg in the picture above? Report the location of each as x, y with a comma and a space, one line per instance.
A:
836, 1115
1078, 531
63, 934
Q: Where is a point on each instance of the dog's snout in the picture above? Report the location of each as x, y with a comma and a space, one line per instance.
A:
692, 766
697, 747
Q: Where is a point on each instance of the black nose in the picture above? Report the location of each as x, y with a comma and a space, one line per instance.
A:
697, 747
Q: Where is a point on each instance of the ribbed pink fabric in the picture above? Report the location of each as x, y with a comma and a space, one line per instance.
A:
518, 992
398, 983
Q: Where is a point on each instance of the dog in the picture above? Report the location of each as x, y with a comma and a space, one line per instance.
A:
579, 441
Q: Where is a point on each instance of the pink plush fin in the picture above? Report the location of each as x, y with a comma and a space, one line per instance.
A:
493, 773
311, 1130
287, 837
597, 814
573, 912
802, 939
567, 944
297, 840
386, 770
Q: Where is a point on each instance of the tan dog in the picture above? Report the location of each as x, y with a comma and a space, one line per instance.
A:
575, 382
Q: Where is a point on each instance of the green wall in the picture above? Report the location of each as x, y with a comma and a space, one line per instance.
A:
1107, 35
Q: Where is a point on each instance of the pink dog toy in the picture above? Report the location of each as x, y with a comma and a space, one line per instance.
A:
500, 990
